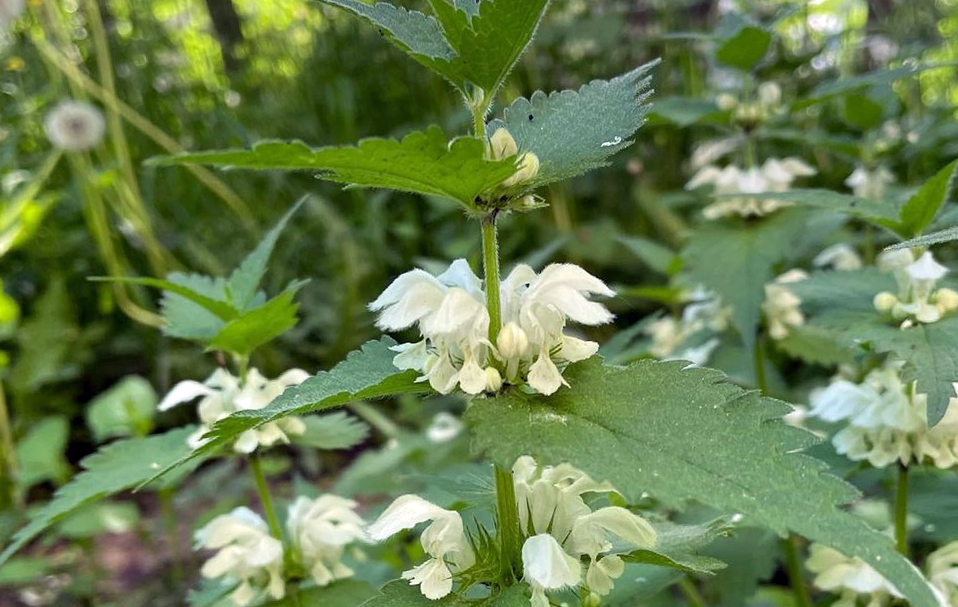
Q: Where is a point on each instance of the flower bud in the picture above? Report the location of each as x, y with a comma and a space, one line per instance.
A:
884, 302
726, 102
528, 168
946, 300
512, 341
493, 379
769, 94
502, 144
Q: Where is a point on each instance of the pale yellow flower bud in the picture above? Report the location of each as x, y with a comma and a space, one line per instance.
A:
946, 300
726, 102
493, 379
528, 169
884, 302
502, 144
512, 341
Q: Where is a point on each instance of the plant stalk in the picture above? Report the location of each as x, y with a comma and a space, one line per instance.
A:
490, 266
264, 497
901, 510
796, 577
687, 586
8, 456
507, 525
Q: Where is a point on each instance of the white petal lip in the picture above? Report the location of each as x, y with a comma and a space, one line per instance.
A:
184, 392
546, 564
926, 268
405, 512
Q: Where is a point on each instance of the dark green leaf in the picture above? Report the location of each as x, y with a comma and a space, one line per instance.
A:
572, 132
252, 329
401, 594
861, 112
677, 547
920, 210
682, 111
40, 453
683, 434
342, 593
744, 49
654, 255
422, 162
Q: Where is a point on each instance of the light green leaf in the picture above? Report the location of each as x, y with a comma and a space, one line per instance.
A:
751, 555
365, 374
736, 262
24, 570
683, 434
187, 320
45, 340
40, 453
116, 467
946, 235
682, 111
100, 518
400, 593
254, 328
745, 48
221, 309
815, 345
849, 290
861, 112
882, 213
840, 86
920, 210
126, 409
572, 132
488, 44
677, 547
342, 593
654, 255
245, 279
423, 162
337, 430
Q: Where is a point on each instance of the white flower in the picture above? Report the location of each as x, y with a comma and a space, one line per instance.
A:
887, 420
74, 126
319, 530
223, 395
9, 12
917, 298
444, 427
850, 577
703, 312
444, 540
450, 310
247, 554
942, 568
870, 184
565, 529
773, 176
839, 256
781, 306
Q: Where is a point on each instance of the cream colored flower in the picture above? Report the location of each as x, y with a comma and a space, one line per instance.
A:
839, 256
871, 184
74, 126
848, 577
246, 553
703, 312
223, 395
773, 176
320, 530
942, 568
917, 299
782, 307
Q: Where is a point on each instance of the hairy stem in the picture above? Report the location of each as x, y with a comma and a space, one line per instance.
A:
172, 534
264, 497
901, 510
796, 577
490, 265
507, 525
372, 416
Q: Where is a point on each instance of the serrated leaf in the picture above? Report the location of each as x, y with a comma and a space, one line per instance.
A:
737, 261
572, 132
125, 409
745, 48
424, 162
187, 320
365, 374
751, 555
815, 345
254, 328
677, 547
683, 434
488, 44
116, 467
245, 279
220, 309
400, 593
337, 430
682, 111
848, 290
941, 236
920, 210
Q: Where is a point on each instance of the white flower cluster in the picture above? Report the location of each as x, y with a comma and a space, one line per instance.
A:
839, 256
870, 183
247, 554
917, 298
773, 176
768, 100
782, 307
560, 530
74, 126
704, 312
224, 394
887, 420
853, 577
450, 311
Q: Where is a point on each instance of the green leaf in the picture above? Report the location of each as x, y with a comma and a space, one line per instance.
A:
400, 593
100, 518
737, 261
342, 593
187, 320
126, 409
751, 555
572, 132
861, 112
815, 345
882, 213
682, 111
745, 48
24, 570
839, 86
677, 547
946, 235
365, 374
422, 162
920, 210
337, 430
245, 279
252, 329
46, 339
220, 309
40, 453
488, 44
683, 434
654, 255
116, 467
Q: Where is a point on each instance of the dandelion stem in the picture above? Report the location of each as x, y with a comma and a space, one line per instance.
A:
901, 510
264, 497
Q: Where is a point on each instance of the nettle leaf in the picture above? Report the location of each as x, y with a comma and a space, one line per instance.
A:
682, 111
487, 44
736, 261
244, 281
422, 162
745, 48
400, 593
188, 320
125, 409
677, 546
573, 132
861, 112
680, 434
254, 328
848, 290
946, 235
337, 430
815, 345
365, 374
220, 309
341, 593
920, 210
114, 468
656, 256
